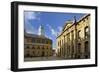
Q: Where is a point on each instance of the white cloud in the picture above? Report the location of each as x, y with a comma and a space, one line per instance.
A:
32, 15
30, 32
39, 30
59, 30
28, 27
48, 36
53, 32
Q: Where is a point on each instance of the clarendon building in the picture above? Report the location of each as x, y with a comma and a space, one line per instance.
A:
37, 45
74, 40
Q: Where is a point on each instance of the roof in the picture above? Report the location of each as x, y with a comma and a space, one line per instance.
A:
76, 22
66, 24
35, 36
82, 18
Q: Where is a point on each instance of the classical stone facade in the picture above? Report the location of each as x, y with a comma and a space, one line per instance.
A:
37, 46
74, 40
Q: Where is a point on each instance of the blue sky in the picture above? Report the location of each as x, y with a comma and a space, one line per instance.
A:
51, 21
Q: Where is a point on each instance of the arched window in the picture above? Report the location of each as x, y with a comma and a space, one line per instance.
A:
27, 47
86, 32
47, 41
43, 54
72, 35
33, 53
86, 47
38, 47
43, 48
79, 48
27, 55
72, 49
33, 47
68, 50
79, 34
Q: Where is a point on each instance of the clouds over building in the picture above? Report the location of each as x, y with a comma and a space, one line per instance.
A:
28, 17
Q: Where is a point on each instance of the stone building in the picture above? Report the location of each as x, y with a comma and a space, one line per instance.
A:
37, 45
74, 40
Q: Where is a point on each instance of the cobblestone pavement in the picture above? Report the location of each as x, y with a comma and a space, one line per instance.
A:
43, 58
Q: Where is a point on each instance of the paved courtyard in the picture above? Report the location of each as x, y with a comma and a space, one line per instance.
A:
43, 58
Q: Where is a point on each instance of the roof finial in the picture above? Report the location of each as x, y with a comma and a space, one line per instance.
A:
75, 19
41, 30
